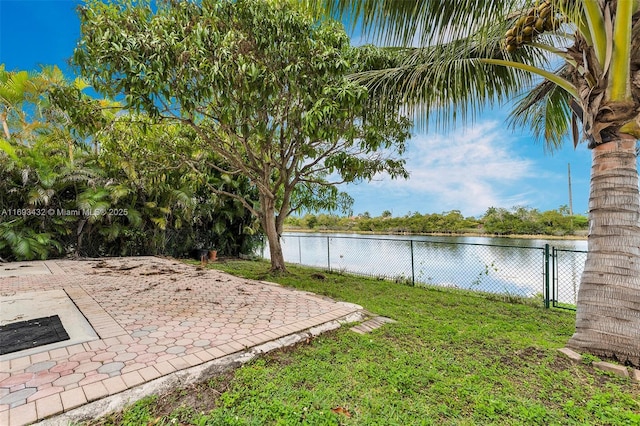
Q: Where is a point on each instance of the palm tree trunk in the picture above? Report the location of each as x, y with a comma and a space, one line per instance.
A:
608, 315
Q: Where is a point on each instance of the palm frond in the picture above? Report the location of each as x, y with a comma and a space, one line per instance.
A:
545, 110
394, 22
462, 65
8, 149
13, 88
450, 81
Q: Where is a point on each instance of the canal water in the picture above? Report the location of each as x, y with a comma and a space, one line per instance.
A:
498, 265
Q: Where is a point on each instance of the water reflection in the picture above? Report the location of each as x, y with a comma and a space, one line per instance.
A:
497, 265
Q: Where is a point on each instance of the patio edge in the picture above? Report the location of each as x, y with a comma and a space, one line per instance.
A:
204, 371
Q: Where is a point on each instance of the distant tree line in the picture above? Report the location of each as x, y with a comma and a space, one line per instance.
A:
495, 221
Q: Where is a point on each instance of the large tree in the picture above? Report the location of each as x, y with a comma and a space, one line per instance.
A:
261, 83
574, 67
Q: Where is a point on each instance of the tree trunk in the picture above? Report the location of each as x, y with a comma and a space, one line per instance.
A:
608, 315
5, 126
273, 237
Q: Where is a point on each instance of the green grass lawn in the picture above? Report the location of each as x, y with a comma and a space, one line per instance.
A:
453, 357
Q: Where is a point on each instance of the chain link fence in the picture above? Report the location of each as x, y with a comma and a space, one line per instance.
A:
550, 274
567, 266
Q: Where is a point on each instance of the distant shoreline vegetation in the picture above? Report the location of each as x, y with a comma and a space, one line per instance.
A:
517, 222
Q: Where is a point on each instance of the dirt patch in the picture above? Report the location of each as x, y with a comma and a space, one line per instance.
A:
197, 398
536, 356
204, 396
146, 268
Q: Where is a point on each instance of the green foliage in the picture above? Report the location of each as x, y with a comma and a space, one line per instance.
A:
169, 201
319, 197
499, 221
139, 413
133, 194
25, 243
36, 186
261, 84
589, 359
25, 107
521, 220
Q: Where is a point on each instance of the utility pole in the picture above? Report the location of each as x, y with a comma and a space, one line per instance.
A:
570, 197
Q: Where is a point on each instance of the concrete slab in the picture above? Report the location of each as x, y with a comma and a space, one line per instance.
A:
572, 355
26, 306
20, 269
619, 370
156, 319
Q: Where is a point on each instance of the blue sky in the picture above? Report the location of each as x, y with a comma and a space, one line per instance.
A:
471, 168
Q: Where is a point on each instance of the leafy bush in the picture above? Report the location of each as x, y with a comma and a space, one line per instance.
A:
119, 186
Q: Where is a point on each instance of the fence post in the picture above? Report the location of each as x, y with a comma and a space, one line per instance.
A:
328, 256
554, 277
300, 248
413, 273
546, 276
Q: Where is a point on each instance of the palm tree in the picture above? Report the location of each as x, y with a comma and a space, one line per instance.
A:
574, 68
27, 110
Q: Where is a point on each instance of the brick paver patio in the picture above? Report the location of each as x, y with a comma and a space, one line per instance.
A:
153, 317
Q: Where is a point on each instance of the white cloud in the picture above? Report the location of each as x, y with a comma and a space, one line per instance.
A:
469, 170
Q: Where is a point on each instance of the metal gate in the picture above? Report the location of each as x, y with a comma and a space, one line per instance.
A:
565, 271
